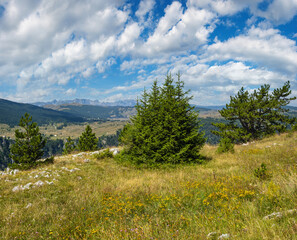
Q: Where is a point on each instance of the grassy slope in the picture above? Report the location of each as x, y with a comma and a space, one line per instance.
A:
104, 200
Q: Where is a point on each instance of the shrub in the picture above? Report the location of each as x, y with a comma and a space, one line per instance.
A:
225, 145
69, 146
262, 172
27, 166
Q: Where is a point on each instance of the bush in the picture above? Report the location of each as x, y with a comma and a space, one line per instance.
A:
69, 146
27, 166
262, 172
225, 145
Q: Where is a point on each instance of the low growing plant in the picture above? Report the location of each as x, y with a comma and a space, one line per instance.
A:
226, 145
262, 172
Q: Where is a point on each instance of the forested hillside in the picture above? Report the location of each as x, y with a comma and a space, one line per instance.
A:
11, 113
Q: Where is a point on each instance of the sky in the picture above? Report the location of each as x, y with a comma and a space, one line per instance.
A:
112, 50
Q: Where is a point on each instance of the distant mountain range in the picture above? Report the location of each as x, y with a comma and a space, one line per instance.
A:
123, 103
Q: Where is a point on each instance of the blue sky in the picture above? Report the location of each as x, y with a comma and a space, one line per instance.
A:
112, 50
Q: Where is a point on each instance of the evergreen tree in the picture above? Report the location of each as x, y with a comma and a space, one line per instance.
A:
165, 128
69, 146
255, 115
29, 144
87, 141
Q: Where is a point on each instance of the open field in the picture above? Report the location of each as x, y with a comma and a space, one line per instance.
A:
60, 131
101, 199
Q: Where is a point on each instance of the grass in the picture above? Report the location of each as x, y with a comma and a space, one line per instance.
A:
104, 200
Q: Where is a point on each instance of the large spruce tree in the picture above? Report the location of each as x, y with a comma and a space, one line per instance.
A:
87, 141
29, 143
165, 128
256, 115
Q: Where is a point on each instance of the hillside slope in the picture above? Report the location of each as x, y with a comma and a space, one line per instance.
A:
11, 113
80, 197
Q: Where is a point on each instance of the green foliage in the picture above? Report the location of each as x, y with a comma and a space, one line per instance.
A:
262, 172
225, 145
165, 129
27, 166
29, 144
109, 140
4, 152
69, 146
256, 115
104, 154
87, 141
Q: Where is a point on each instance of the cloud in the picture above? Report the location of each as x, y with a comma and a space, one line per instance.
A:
224, 7
179, 32
58, 47
126, 41
280, 11
103, 65
266, 47
145, 6
70, 92
33, 32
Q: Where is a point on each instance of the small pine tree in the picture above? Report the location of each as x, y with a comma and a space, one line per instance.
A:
29, 144
165, 128
87, 141
225, 145
69, 146
256, 115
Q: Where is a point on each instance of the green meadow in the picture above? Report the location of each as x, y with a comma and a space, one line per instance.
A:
81, 197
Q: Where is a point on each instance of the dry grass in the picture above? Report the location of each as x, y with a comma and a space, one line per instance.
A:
104, 200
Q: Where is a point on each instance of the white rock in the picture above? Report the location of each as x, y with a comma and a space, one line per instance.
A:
224, 236
212, 234
115, 152
29, 205
17, 188
279, 214
27, 186
49, 183
39, 183
87, 160
96, 152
